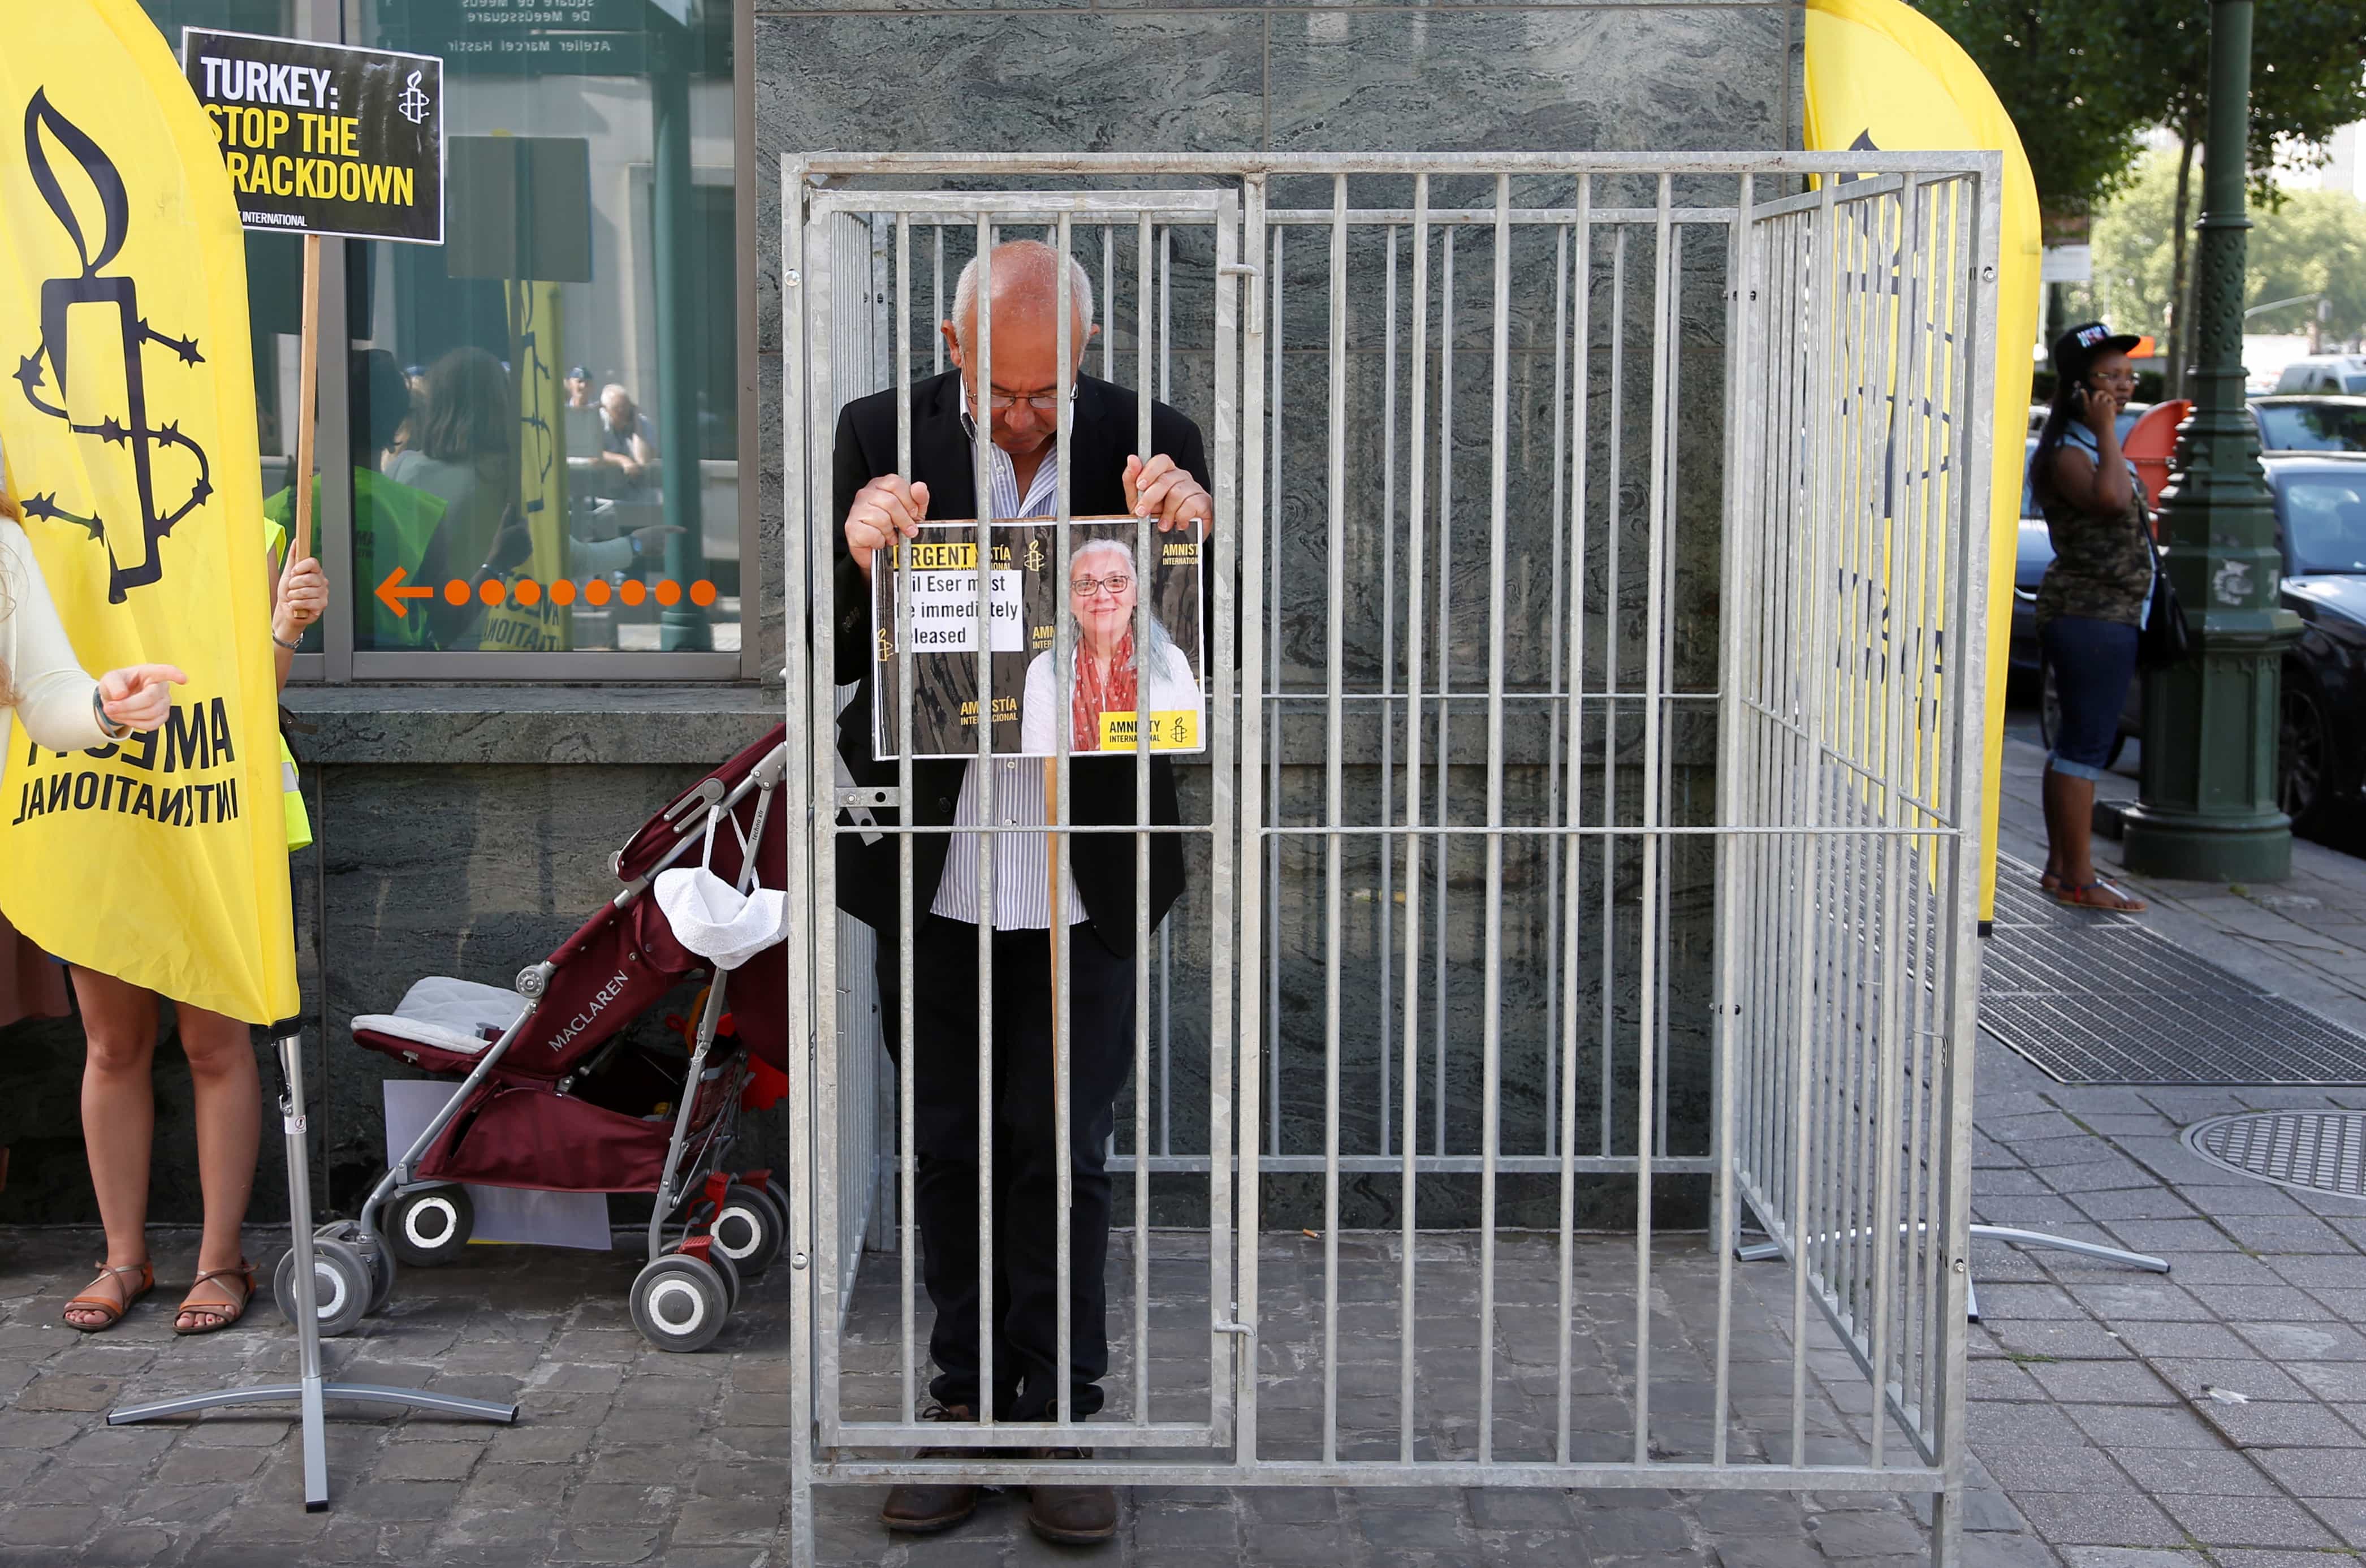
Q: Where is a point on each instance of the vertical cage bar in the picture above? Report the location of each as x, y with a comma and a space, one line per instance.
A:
982, 771
1064, 656
1272, 718
802, 828
1492, 981
1739, 567
1254, 945
1655, 614
1443, 840
1417, 361
1570, 809
899, 561
1333, 803
1383, 938
1144, 578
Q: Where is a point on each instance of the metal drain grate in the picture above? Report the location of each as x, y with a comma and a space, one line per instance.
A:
2317, 1151
2101, 998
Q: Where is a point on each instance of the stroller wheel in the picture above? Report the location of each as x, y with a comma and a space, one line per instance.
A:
730, 1273
679, 1302
430, 1226
341, 1286
749, 1230
375, 1255
775, 1194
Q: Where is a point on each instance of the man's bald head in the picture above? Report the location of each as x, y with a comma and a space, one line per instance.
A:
1026, 292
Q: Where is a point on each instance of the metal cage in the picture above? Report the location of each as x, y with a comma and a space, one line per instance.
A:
1583, 855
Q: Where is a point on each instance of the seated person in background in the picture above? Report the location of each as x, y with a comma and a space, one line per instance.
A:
628, 439
578, 387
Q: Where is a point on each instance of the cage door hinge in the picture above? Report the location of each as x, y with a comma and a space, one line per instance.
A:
855, 798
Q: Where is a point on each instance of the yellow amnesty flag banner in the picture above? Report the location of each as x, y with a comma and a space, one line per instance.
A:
1882, 76
126, 407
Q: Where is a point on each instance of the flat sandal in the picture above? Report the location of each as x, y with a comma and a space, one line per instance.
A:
242, 1273
145, 1270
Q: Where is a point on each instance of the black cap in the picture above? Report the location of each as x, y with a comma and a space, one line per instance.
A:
577, 373
2075, 350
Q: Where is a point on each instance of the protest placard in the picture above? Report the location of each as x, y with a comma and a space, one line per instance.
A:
1110, 681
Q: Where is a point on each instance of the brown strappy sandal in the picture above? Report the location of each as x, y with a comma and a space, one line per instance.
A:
225, 1312
144, 1271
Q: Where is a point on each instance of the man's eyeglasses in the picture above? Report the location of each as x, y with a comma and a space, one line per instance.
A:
1041, 402
1086, 587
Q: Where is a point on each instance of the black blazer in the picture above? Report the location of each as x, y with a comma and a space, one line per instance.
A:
1101, 438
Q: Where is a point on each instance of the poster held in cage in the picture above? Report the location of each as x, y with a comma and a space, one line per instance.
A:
1113, 682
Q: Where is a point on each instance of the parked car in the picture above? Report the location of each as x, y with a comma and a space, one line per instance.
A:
2320, 502
2325, 373
2314, 424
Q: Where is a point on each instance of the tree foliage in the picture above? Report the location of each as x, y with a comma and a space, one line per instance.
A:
2083, 80
2308, 73
2059, 71
2314, 242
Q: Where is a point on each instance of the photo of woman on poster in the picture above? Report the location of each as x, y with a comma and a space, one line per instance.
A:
1111, 675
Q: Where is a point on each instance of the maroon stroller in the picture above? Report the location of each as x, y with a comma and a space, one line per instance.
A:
556, 1098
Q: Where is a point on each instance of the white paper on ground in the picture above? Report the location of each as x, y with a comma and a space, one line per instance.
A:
503, 1214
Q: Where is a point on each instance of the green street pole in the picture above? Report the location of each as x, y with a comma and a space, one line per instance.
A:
2207, 810
682, 626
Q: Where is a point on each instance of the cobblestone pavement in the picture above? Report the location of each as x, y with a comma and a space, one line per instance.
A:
2209, 1419
626, 1455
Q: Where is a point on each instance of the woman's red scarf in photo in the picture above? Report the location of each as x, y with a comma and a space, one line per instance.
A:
1097, 694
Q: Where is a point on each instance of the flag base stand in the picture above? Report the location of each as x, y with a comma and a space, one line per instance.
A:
311, 1391
1760, 1251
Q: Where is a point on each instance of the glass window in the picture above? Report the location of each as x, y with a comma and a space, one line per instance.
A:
545, 409
2312, 427
2324, 523
274, 262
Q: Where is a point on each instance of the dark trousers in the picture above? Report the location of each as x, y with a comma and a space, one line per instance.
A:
1024, 1181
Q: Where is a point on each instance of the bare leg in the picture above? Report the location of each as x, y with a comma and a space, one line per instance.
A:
2047, 798
229, 1127
2070, 827
118, 1116
2070, 835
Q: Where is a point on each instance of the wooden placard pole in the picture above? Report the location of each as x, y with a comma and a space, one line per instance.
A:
308, 383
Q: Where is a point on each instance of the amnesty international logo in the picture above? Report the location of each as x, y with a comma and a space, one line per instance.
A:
89, 368
414, 104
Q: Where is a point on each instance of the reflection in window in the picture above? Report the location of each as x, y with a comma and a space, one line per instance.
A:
2312, 427
571, 353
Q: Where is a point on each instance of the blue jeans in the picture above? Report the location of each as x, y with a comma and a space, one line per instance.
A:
2093, 664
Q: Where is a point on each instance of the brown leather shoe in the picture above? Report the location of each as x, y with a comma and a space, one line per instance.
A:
1072, 1516
926, 1508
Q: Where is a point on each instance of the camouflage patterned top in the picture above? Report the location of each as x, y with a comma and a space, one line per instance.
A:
2103, 566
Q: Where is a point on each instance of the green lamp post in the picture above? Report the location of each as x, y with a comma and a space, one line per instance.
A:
2208, 807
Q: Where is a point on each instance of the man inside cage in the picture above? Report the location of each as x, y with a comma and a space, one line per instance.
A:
1018, 402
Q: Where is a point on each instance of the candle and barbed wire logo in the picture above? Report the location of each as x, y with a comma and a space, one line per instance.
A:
414, 103
48, 375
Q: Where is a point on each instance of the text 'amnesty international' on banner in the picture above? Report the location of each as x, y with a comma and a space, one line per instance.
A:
320, 138
1111, 680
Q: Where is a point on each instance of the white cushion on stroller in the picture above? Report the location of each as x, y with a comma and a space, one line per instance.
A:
449, 1014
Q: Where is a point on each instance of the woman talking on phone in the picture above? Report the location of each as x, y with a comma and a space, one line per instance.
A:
2093, 600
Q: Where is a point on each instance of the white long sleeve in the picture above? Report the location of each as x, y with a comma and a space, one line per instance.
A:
53, 695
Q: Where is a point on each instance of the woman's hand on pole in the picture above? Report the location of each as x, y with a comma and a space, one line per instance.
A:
303, 598
138, 696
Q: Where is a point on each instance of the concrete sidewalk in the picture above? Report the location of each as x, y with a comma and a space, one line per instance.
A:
2213, 1415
